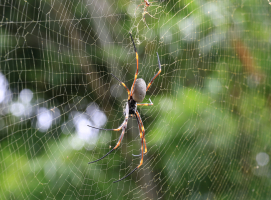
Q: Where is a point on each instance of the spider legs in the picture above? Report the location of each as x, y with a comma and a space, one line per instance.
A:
159, 64
123, 126
141, 162
131, 108
117, 145
140, 123
130, 94
122, 84
143, 144
141, 130
132, 88
145, 104
114, 129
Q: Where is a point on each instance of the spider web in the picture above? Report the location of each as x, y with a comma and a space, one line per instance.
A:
208, 132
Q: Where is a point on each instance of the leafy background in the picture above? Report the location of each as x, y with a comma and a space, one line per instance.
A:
208, 133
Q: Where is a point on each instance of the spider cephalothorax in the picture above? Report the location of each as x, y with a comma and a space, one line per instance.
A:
135, 96
132, 106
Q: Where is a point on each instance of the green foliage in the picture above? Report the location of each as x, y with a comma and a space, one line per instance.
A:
211, 113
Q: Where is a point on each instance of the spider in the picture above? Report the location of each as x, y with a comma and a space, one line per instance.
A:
147, 4
135, 96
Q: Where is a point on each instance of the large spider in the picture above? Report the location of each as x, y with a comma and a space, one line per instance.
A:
137, 95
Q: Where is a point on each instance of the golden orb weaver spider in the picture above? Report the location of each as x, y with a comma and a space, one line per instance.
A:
135, 96
146, 5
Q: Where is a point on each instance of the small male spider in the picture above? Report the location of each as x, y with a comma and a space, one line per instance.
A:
137, 95
147, 4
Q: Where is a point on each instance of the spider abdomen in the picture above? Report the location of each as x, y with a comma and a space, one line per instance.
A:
139, 90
